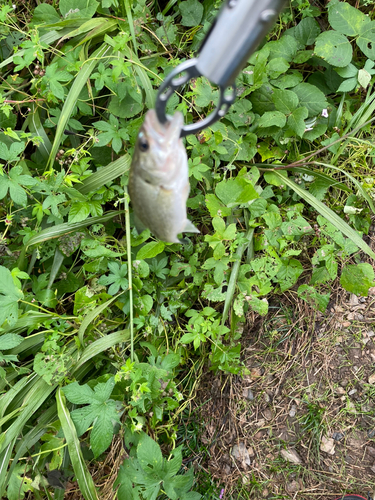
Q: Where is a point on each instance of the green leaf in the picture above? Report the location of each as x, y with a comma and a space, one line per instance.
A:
358, 278
45, 14
366, 40
126, 108
289, 272
285, 101
348, 71
285, 48
271, 118
9, 297
10, 340
364, 78
150, 250
296, 120
334, 48
149, 453
191, 12
78, 8
306, 31
346, 19
19, 483
311, 97
348, 85
215, 206
13, 152
310, 295
79, 211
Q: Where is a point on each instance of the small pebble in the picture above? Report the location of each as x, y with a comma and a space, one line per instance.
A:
293, 411
248, 394
371, 433
352, 391
337, 436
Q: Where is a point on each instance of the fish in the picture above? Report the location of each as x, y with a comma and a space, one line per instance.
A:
159, 178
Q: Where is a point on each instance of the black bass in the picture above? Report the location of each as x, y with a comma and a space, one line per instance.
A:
159, 178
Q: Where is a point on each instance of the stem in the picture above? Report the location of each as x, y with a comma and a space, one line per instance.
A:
128, 249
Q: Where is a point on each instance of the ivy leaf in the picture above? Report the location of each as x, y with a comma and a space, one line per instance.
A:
116, 278
289, 272
334, 48
104, 412
126, 108
313, 297
191, 12
52, 201
9, 297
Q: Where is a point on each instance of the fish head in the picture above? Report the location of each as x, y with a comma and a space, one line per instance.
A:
157, 144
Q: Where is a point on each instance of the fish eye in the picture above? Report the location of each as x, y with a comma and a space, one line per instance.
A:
143, 143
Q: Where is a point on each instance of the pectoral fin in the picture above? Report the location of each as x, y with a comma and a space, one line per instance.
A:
190, 228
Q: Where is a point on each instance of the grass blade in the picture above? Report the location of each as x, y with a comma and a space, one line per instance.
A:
89, 318
71, 99
101, 345
4, 461
143, 76
97, 25
36, 128
131, 24
325, 177
326, 212
363, 192
106, 174
84, 479
38, 393
68, 227
234, 274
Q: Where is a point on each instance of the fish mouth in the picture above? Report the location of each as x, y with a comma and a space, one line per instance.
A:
163, 133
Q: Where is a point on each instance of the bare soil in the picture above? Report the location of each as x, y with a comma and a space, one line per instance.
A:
310, 391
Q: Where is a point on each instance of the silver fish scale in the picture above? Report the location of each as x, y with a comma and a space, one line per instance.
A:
159, 180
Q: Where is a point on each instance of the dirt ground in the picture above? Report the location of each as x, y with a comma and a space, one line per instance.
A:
302, 423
